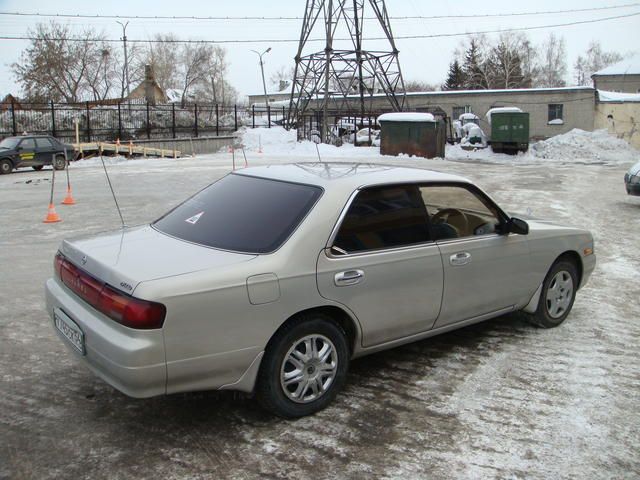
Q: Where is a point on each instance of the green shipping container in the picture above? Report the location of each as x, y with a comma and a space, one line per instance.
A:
412, 133
509, 132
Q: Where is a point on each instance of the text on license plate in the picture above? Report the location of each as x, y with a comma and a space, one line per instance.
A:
69, 329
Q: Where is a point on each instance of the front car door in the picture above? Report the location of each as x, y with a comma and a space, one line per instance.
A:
485, 272
382, 265
27, 153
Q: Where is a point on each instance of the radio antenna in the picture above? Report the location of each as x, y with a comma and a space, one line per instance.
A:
111, 188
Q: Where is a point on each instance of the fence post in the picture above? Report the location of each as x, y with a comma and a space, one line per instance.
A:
119, 122
269, 116
217, 122
53, 120
253, 116
235, 117
173, 120
13, 119
148, 124
195, 115
88, 123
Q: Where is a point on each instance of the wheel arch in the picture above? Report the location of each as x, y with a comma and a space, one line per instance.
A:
339, 316
573, 257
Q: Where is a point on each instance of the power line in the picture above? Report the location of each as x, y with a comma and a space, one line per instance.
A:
407, 17
282, 40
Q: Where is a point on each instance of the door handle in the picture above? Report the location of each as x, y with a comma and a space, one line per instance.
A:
460, 258
350, 277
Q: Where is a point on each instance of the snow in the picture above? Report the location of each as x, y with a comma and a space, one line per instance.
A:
502, 110
406, 117
468, 116
556, 121
628, 66
606, 96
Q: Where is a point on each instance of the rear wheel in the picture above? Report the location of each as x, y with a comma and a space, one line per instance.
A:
5, 167
59, 162
558, 295
305, 366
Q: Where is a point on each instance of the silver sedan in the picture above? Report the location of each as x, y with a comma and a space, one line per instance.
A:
271, 279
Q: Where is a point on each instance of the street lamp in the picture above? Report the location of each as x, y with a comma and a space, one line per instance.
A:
264, 85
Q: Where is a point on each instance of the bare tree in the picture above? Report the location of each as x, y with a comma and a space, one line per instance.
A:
163, 56
552, 63
419, 86
282, 78
194, 58
595, 59
505, 62
59, 65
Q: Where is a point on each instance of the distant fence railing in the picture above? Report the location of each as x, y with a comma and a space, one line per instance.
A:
141, 120
132, 121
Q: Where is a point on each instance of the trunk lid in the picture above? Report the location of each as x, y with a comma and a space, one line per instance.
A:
125, 258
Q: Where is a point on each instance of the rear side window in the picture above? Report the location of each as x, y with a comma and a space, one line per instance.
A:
383, 217
44, 142
241, 213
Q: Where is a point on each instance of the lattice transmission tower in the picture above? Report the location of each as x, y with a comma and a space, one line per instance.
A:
335, 81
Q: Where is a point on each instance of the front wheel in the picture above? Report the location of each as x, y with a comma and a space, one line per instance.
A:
558, 293
304, 367
59, 162
5, 167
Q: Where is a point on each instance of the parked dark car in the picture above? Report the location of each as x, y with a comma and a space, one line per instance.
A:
33, 151
632, 180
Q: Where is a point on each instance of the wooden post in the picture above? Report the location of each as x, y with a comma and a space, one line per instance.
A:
75, 120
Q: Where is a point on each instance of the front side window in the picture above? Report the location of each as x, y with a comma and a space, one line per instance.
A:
455, 212
28, 144
241, 213
555, 111
383, 217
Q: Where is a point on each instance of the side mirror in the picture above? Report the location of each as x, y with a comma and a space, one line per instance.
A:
516, 225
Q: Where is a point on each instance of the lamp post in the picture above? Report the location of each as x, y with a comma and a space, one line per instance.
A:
264, 85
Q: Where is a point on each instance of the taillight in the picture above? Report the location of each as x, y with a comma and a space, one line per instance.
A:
127, 310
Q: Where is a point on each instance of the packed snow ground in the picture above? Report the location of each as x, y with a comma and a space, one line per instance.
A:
500, 399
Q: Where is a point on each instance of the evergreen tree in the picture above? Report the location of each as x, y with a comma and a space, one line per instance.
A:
472, 68
455, 78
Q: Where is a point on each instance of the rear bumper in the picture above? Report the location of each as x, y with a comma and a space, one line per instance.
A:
132, 361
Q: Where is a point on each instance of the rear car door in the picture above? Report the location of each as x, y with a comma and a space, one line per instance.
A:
382, 265
485, 272
27, 153
45, 149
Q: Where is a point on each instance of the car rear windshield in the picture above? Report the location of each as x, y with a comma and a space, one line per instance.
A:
241, 213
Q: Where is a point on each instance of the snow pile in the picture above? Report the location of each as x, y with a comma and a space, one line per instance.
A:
586, 147
406, 117
277, 141
615, 97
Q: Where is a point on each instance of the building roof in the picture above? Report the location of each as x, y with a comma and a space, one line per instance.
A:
347, 176
628, 66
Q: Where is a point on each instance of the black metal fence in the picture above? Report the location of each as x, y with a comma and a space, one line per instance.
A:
132, 121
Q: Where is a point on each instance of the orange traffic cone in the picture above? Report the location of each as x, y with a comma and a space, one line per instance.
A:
68, 200
52, 216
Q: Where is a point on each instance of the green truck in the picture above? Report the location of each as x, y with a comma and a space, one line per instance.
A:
509, 130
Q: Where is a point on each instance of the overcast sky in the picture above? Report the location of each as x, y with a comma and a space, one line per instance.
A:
420, 59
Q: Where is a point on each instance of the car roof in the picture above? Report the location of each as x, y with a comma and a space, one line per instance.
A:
348, 176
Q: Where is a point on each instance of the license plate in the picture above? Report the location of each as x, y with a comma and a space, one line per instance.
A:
69, 329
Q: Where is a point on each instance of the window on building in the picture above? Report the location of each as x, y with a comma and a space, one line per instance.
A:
555, 112
457, 111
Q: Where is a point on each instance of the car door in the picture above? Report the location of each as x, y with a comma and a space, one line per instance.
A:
44, 150
382, 265
27, 152
485, 272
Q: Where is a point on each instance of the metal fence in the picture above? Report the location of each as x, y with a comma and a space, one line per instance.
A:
132, 121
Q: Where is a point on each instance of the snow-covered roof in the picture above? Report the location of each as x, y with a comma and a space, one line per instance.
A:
502, 110
628, 66
406, 117
468, 116
611, 97
506, 90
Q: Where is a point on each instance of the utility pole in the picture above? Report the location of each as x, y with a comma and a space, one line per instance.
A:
264, 85
126, 59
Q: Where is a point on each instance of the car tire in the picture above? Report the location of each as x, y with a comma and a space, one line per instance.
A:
37, 168
59, 163
5, 167
294, 382
558, 294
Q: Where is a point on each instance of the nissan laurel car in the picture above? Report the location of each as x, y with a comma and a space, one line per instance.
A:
632, 180
33, 151
272, 279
